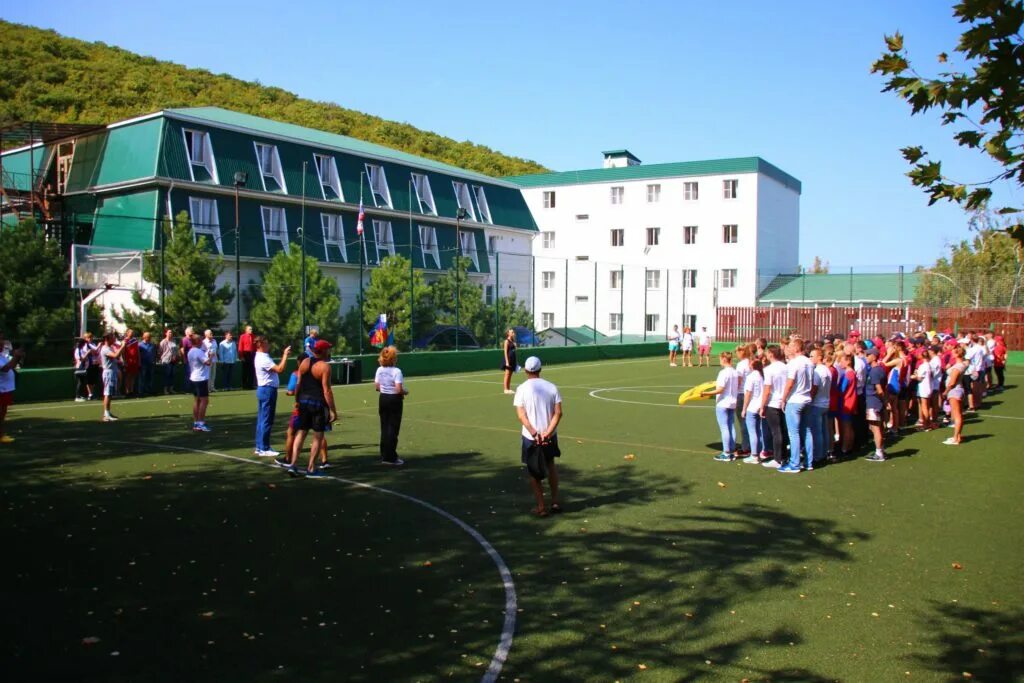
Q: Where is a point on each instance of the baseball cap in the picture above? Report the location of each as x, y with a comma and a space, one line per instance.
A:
855, 333
321, 345
873, 351
532, 364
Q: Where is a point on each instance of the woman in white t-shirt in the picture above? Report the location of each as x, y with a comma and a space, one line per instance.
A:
924, 390
686, 342
743, 353
390, 383
753, 396
771, 408
725, 393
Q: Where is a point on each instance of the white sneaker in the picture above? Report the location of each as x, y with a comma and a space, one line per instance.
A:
268, 454
509, 391
79, 399
951, 442
109, 418
773, 464
393, 464
752, 460
673, 365
258, 452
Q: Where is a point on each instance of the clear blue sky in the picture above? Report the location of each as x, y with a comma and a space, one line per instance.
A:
558, 82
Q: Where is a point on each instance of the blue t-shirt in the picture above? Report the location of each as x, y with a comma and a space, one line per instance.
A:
876, 376
293, 382
147, 352
308, 343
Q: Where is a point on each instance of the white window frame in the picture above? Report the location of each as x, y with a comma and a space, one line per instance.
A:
547, 239
653, 279
653, 237
483, 209
463, 198
653, 193
691, 191
549, 199
729, 276
492, 245
547, 279
210, 227
333, 227
690, 234
383, 238
614, 322
377, 179
689, 278
489, 295
618, 194
467, 241
618, 235
330, 179
547, 320
615, 279
267, 214
424, 195
730, 188
428, 245
730, 230
275, 171
652, 321
208, 162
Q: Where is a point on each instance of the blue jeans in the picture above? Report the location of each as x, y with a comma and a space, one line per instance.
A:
754, 426
168, 377
743, 432
798, 426
727, 424
266, 406
818, 432
225, 371
144, 384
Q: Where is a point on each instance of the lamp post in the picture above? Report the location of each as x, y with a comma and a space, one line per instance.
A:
241, 178
460, 215
302, 236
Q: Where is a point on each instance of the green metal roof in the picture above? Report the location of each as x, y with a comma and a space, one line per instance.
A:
670, 170
216, 115
841, 288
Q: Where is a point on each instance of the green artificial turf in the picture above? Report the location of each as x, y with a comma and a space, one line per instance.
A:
130, 560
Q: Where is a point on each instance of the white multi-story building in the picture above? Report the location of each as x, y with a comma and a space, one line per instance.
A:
635, 249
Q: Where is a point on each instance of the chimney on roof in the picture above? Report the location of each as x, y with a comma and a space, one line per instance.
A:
617, 158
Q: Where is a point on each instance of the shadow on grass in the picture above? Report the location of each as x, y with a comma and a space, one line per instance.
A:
986, 643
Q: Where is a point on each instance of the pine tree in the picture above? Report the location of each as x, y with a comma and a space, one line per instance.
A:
388, 292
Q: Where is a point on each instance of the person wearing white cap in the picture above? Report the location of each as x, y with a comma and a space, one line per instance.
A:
539, 407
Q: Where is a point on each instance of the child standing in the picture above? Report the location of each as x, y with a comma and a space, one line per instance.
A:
753, 393
725, 406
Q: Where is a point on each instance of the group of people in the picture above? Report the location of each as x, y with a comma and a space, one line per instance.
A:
680, 347
798, 405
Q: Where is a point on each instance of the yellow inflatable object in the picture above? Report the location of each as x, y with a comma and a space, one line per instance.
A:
695, 393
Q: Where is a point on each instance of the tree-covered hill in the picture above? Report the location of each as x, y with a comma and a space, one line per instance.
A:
47, 77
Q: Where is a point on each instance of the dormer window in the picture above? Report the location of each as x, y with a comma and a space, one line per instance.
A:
383, 238
275, 227
201, 166
424, 195
483, 210
270, 168
334, 235
378, 186
468, 243
327, 171
463, 198
205, 221
428, 245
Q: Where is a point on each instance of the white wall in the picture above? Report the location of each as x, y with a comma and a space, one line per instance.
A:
778, 247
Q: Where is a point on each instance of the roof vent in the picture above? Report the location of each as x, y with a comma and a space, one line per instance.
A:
617, 158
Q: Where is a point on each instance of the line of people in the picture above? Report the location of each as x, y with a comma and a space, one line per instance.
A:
800, 405
680, 347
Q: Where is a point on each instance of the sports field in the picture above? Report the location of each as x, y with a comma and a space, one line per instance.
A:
140, 550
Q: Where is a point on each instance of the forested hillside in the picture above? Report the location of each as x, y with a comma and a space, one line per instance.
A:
47, 77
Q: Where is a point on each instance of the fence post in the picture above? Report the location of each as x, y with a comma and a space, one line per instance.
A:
497, 298
622, 299
667, 277
595, 303
851, 285
565, 320
645, 303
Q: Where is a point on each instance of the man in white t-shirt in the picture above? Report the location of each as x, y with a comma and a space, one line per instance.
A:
8, 362
796, 398
198, 363
703, 347
267, 382
539, 408
210, 346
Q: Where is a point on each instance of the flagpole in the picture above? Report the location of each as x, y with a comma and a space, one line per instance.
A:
412, 278
362, 251
302, 234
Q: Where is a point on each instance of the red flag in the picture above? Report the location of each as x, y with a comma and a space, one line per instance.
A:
359, 221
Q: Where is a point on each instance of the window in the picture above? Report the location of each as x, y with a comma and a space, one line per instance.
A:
689, 279
467, 240
582, 217
582, 258
618, 237
334, 235
489, 295
203, 214
383, 238
378, 181
482, 208
653, 194
275, 227
547, 279
614, 322
492, 245
690, 321
424, 195
547, 320
327, 171
617, 194
653, 236
549, 199
270, 167
728, 278
547, 240
653, 279
428, 245
651, 322
200, 156
615, 279
729, 188
730, 234
463, 198
582, 299
689, 234
690, 192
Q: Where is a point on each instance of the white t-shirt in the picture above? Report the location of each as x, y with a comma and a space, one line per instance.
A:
687, 341
823, 380
975, 357
860, 367
775, 377
742, 370
936, 364
198, 370
801, 371
387, 378
924, 376
755, 385
538, 398
673, 336
703, 339
265, 375
6, 377
210, 346
728, 382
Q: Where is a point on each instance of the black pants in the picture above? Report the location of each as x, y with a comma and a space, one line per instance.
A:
82, 390
776, 422
389, 407
248, 360
1001, 376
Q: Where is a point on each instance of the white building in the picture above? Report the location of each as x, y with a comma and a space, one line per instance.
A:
635, 249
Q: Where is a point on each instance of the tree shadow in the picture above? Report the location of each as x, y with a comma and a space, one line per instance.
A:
986, 643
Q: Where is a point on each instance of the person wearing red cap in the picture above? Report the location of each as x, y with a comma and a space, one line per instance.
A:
316, 406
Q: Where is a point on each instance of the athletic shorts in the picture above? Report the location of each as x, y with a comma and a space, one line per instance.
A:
673, 346
313, 416
906, 392
109, 382
551, 449
956, 392
874, 415
201, 389
687, 348
704, 350
6, 399
924, 390
293, 421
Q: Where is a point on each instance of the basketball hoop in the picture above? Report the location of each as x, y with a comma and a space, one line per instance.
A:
101, 270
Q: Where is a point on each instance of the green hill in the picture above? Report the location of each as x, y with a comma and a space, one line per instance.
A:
47, 77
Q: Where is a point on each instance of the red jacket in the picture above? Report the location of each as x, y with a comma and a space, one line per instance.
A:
246, 343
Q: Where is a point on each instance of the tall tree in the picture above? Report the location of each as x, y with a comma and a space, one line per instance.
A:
985, 102
470, 295
819, 267
388, 292
276, 309
191, 294
511, 312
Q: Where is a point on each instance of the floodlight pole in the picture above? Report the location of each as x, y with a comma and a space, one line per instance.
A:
302, 237
241, 177
412, 276
362, 251
459, 215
